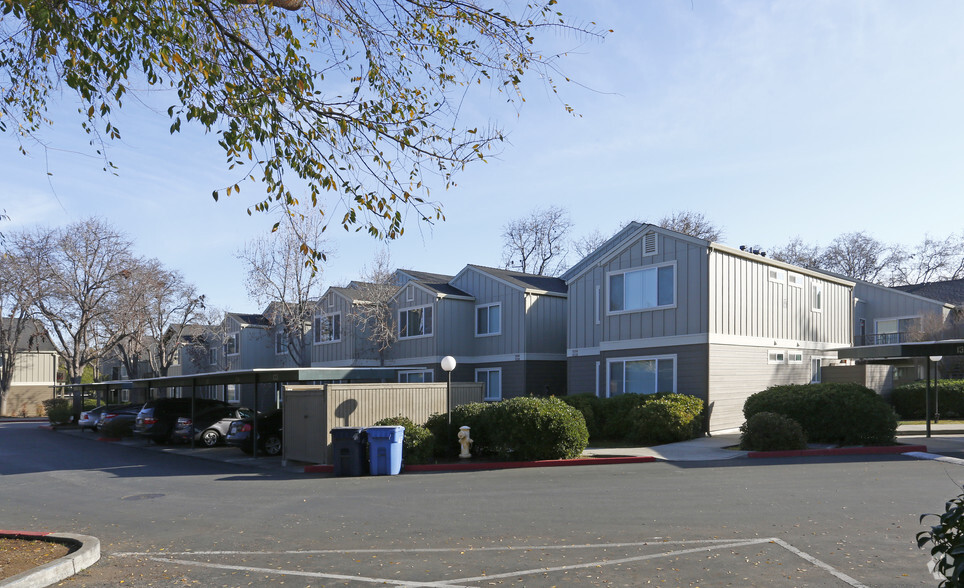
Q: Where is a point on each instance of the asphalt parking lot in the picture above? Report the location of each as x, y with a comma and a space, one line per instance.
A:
165, 520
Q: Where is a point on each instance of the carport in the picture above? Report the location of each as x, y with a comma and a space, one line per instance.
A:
279, 376
930, 350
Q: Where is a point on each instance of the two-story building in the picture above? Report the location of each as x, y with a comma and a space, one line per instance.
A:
34, 371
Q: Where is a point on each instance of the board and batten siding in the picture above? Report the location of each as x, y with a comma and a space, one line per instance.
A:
35, 368
737, 371
350, 346
746, 303
487, 290
881, 303
415, 347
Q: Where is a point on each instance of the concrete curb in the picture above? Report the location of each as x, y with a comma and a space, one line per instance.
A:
500, 465
85, 553
836, 451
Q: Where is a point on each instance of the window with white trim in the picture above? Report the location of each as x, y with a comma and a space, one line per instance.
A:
415, 376
492, 378
816, 300
488, 319
776, 356
598, 304
642, 375
213, 356
410, 293
415, 322
125, 396
327, 328
775, 274
232, 345
794, 357
233, 394
795, 280
642, 289
280, 343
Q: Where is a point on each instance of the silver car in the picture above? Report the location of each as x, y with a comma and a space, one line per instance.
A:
209, 426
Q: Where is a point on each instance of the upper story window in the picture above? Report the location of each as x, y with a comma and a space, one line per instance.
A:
213, 355
817, 297
415, 322
642, 289
795, 280
232, 345
280, 343
776, 275
488, 319
415, 376
328, 328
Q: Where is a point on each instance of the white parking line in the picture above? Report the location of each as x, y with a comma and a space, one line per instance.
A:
935, 457
704, 546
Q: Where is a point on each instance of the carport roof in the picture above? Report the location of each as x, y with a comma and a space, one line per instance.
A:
256, 376
904, 350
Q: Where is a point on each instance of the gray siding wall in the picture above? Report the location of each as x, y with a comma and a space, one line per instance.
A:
581, 375
455, 330
354, 348
546, 378
416, 347
691, 364
257, 348
737, 371
545, 324
745, 303
487, 290
878, 303
689, 316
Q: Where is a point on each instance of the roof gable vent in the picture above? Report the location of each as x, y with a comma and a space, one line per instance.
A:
649, 244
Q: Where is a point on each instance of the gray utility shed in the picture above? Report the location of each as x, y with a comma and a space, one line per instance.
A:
310, 412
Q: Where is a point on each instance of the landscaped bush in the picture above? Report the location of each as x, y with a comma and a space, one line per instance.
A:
843, 414
908, 400
59, 410
520, 429
588, 405
666, 418
769, 431
418, 444
115, 428
616, 415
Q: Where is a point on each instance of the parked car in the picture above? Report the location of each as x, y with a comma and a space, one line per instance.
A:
90, 419
210, 425
270, 433
119, 413
157, 418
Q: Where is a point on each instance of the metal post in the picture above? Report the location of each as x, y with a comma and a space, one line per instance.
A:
448, 398
927, 398
937, 394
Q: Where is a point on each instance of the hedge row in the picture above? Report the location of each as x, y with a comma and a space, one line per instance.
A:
640, 418
843, 414
908, 400
520, 429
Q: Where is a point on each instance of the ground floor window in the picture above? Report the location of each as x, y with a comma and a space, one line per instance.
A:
233, 394
492, 377
415, 376
642, 375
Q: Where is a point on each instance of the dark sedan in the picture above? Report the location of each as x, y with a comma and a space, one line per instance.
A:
270, 433
209, 426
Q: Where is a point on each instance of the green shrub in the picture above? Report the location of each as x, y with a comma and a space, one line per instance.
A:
908, 400
59, 410
418, 444
769, 431
589, 406
666, 418
616, 415
447, 436
115, 428
91, 403
843, 414
947, 538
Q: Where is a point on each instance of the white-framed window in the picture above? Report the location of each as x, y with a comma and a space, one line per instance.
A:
775, 274
795, 357
327, 328
488, 319
213, 355
415, 376
415, 322
280, 343
176, 357
776, 356
232, 345
815, 365
125, 396
816, 301
492, 377
642, 289
641, 375
410, 293
795, 280
598, 305
233, 394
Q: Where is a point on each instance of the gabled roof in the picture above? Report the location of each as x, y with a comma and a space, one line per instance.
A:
249, 320
526, 282
948, 291
437, 284
33, 338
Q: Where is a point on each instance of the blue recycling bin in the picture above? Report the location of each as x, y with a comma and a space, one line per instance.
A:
385, 450
350, 457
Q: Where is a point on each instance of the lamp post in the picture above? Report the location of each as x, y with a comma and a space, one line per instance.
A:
448, 364
937, 397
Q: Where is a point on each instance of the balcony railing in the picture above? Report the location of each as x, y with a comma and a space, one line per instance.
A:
884, 338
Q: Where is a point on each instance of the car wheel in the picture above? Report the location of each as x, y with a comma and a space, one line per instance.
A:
210, 438
271, 445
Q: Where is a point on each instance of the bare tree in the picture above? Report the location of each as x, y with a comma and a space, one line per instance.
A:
18, 329
537, 243
931, 260
798, 253
586, 244
373, 308
171, 305
279, 278
857, 255
77, 270
691, 223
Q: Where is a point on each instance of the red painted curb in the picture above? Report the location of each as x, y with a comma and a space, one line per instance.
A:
501, 465
888, 450
24, 534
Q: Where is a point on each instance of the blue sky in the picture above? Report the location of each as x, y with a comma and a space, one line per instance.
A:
774, 119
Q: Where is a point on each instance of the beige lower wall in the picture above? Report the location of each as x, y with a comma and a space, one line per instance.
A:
25, 400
